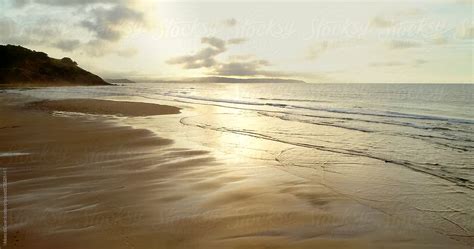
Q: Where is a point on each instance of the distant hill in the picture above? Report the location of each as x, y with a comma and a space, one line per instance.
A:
119, 81
22, 66
228, 80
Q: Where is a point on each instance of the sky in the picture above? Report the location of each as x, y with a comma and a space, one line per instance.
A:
316, 41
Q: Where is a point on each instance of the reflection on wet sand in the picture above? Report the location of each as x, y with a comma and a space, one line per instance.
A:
90, 183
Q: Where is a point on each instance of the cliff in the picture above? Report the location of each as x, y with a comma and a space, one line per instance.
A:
22, 66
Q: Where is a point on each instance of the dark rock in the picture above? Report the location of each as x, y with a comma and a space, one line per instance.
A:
22, 66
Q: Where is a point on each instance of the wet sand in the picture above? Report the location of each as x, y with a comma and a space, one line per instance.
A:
105, 107
78, 182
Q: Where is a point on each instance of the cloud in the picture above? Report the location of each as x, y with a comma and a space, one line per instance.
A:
22, 3
214, 42
44, 33
7, 28
241, 57
380, 22
249, 68
204, 58
67, 45
200, 60
415, 63
85, 23
236, 41
98, 48
400, 44
107, 23
230, 22
19, 3
41, 33
238, 66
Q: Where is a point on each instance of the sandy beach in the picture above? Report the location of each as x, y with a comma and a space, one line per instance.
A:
148, 124
86, 182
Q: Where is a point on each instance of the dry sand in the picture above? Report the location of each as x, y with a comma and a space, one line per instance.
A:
84, 183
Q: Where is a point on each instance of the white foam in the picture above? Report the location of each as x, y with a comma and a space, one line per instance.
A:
10, 154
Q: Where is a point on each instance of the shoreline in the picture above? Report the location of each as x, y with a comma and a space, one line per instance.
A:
125, 187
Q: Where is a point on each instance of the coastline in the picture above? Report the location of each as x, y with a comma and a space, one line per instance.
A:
124, 187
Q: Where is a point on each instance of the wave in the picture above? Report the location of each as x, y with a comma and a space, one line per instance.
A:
375, 113
458, 132
296, 100
419, 167
448, 141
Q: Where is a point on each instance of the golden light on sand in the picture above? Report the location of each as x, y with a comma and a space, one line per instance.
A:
236, 124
